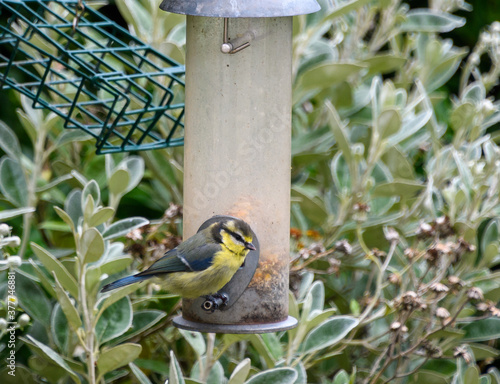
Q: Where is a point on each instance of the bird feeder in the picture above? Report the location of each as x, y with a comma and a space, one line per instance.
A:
237, 153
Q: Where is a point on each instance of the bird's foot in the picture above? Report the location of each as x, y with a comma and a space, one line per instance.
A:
215, 301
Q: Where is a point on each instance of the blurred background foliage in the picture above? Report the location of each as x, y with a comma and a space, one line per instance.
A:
395, 215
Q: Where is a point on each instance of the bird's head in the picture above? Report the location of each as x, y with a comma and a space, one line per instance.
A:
236, 235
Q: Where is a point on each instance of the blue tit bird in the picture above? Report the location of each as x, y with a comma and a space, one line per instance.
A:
201, 265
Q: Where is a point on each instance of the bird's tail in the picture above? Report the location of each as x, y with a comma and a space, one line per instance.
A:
123, 282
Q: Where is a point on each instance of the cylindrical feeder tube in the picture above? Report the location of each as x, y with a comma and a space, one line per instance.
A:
238, 151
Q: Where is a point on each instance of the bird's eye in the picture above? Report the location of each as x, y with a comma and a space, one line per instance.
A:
238, 237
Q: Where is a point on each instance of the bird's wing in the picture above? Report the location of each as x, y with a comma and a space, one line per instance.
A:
184, 259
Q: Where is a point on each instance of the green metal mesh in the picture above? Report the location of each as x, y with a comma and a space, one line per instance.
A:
93, 73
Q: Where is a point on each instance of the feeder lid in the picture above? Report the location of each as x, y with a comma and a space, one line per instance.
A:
240, 8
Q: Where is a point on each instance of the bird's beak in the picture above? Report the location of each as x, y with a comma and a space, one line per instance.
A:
250, 246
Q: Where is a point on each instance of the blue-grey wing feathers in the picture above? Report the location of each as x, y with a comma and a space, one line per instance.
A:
123, 282
191, 256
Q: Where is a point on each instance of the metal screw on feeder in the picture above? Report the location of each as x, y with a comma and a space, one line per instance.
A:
238, 150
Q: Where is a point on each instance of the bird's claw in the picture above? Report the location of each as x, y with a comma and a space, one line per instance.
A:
216, 301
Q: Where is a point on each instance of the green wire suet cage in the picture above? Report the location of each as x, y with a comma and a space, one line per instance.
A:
71, 59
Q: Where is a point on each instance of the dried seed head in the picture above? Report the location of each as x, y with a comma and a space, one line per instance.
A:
483, 307
442, 227
134, 235
442, 313
344, 247
378, 253
173, 211
361, 207
425, 231
438, 288
391, 235
395, 278
432, 255
410, 253
462, 352
317, 248
455, 281
444, 249
395, 326
475, 293
334, 265
495, 311
462, 247
409, 301
431, 350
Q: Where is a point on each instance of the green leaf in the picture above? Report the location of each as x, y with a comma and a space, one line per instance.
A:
46, 284
431, 20
339, 131
9, 142
312, 206
240, 373
13, 182
195, 340
116, 357
10, 213
52, 264
489, 235
143, 379
175, 376
273, 345
274, 376
329, 333
495, 375
471, 375
135, 167
71, 136
160, 367
65, 217
404, 188
118, 182
325, 75
411, 125
110, 298
54, 183
44, 351
67, 306
142, 321
101, 216
316, 318
482, 330
91, 189
389, 123
33, 300
59, 328
114, 321
92, 279
386, 63
215, 376
91, 245
262, 349
346, 7
122, 227
114, 259
317, 292
483, 352
73, 206
431, 377
341, 377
